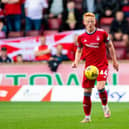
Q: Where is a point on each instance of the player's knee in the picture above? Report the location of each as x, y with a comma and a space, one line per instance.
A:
89, 90
101, 90
100, 85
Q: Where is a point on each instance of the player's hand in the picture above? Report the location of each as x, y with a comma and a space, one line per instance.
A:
74, 64
116, 66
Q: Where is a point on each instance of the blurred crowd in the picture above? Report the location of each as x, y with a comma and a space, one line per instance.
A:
41, 17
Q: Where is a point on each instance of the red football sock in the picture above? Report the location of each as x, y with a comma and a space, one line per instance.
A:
87, 104
103, 96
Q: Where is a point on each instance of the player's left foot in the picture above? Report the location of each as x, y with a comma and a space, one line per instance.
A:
107, 112
86, 120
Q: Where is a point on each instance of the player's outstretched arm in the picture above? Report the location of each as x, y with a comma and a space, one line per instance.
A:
113, 55
77, 57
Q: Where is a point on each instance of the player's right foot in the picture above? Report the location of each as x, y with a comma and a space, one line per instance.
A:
107, 112
85, 120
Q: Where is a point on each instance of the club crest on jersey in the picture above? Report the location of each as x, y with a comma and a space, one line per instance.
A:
84, 40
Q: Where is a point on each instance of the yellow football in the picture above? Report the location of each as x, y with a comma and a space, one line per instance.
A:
91, 72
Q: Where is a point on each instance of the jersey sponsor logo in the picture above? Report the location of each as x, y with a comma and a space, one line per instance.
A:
93, 45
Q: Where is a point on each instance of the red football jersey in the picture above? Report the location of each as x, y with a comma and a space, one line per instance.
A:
94, 47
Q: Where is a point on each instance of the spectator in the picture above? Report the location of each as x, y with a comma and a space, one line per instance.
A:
120, 28
1, 11
43, 52
34, 13
125, 7
89, 5
107, 8
3, 56
3, 30
56, 7
71, 18
2, 26
59, 53
12, 9
22, 8
19, 58
57, 58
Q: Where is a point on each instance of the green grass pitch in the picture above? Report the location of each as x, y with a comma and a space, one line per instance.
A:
59, 115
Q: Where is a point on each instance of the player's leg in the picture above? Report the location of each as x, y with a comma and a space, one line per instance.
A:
87, 105
87, 85
104, 98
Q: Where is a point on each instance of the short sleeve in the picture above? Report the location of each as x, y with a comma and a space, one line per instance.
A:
106, 37
79, 44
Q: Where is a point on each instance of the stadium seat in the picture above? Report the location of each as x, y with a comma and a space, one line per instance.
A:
50, 32
33, 33
119, 44
128, 19
127, 56
23, 24
78, 1
2, 35
120, 53
106, 28
78, 5
106, 20
54, 23
13, 34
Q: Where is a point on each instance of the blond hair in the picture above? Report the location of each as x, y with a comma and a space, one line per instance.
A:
89, 14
